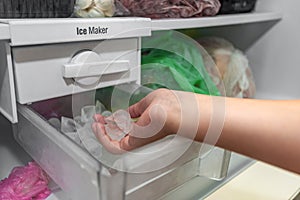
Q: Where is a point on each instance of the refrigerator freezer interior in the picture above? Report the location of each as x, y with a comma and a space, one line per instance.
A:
35, 64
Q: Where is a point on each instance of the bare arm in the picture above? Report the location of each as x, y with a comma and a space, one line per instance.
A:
262, 129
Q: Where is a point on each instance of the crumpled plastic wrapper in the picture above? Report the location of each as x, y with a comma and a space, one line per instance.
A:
167, 8
54, 108
25, 183
94, 8
233, 66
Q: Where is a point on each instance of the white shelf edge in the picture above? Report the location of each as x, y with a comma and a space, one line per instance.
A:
4, 32
219, 20
39, 31
51, 30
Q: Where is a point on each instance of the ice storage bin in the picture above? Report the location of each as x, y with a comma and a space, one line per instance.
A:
72, 167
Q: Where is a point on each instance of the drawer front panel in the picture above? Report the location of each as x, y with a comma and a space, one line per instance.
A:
8, 105
71, 168
40, 71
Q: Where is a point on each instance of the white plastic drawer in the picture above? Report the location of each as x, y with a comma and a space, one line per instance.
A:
4, 32
80, 175
47, 71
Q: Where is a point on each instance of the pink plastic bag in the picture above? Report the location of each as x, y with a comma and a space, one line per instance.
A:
167, 8
25, 183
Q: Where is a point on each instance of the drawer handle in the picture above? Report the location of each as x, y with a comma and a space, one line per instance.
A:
73, 70
88, 63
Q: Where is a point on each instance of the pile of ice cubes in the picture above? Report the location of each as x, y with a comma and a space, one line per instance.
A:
118, 124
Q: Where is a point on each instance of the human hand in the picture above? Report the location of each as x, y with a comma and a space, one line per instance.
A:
159, 115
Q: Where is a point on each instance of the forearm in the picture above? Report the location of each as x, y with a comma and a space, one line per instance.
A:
262, 129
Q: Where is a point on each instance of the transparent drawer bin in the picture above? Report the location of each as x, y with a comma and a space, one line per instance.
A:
147, 173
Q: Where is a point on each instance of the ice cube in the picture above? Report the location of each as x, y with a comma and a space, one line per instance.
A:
74, 136
123, 120
114, 132
54, 122
89, 140
100, 107
67, 125
87, 113
118, 125
106, 113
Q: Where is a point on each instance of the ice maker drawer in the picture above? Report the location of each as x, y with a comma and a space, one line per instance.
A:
80, 175
46, 71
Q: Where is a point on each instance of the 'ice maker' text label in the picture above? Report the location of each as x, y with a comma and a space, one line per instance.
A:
91, 30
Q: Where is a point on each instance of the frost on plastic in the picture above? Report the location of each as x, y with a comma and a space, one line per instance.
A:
233, 65
144, 8
94, 8
25, 183
167, 8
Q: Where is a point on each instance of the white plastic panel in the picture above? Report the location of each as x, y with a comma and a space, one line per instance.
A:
275, 57
40, 70
7, 86
4, 32
45, 31
219, 20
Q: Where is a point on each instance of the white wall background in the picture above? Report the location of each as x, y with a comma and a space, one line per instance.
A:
275, 57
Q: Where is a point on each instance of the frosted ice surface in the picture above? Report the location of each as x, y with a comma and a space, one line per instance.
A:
123, 120
114, 132
100, 107
106, 113
54, 122
68, 127
89, 140
118, 124
78, 122
74, 136
87, 113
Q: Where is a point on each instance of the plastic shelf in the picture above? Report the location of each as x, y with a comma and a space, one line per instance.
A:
219, 20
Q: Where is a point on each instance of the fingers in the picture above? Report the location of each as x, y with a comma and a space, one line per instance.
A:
150, 123
137, 109
148, 128
104, 139
127, 143
116, 147
99, 118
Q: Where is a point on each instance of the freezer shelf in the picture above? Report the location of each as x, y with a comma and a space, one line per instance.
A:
45, 31
219, 20
72, 167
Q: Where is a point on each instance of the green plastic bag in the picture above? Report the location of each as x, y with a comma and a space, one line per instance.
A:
172, 60
169, 60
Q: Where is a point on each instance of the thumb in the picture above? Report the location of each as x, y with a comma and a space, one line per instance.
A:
150, 123
136, 110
